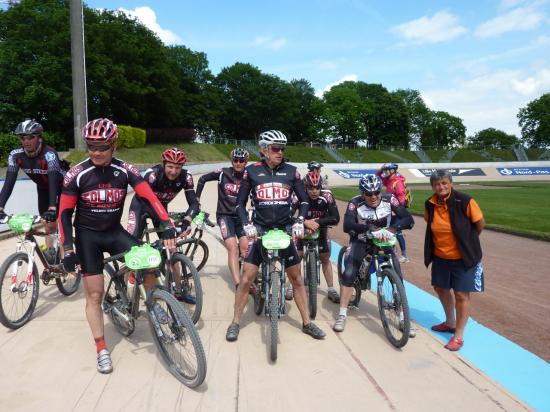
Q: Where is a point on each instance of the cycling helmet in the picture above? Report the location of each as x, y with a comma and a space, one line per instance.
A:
389, 166
239, 153
29, 127
271, 137
100, 131
313, 179
370, 183
314, 164
174, 155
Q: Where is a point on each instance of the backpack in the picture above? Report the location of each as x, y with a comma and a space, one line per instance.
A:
408, 194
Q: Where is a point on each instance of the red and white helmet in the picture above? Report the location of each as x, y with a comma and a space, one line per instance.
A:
100, 131
174, 155
313, 179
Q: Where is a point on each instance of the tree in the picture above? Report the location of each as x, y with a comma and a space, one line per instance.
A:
345, 114
443, 131
419, 113
492, 138
534, 121
306, 112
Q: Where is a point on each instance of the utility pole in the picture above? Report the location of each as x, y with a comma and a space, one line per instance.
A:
80, 102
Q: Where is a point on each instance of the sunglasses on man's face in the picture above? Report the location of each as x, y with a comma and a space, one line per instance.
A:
371, 194
28, 136
239, 161
277, 149
99, 148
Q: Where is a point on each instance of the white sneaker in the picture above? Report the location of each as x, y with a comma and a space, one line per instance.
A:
289, 292
104, 362
403, 259
340, 323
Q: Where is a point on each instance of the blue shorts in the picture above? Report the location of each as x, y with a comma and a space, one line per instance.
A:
452, 274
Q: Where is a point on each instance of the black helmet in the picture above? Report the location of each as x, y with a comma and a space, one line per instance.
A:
370, 183
314, 164
239, 153
29, 127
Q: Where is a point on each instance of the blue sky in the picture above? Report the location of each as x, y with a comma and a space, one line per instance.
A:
479, 60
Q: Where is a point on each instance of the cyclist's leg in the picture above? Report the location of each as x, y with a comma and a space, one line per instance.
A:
43, 205
227, 229
324, 256
355, 253
250, 271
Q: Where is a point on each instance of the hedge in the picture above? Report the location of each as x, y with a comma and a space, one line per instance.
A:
131, 137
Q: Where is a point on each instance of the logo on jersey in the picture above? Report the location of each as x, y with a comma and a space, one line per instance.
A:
50, 156
71, 174
231, 189
152, 178
165, 197
130, 168
272, 191
116, 173
102, 198
351, 206
189, 181
327, 195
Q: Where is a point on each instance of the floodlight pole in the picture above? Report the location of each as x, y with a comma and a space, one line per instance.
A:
78, 59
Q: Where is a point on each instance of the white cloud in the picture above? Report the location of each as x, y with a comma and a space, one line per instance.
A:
348, 77
148, 18
491, 100
270, 42
441, 27
520, 19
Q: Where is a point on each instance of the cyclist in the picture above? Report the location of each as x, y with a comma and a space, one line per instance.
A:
41, 164
166, 180
313, 166
229, 180
395, 185
97, 188
322, 213
369, 211
271, 183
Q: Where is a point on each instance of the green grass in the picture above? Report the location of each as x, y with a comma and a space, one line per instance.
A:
506, 155
371, 156
534, 154
466, 155
436, 154
301, 154
407, 154
226, 149
519, 209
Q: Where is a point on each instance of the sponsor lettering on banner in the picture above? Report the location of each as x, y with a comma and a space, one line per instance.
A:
453, 171
354, 173
523, 171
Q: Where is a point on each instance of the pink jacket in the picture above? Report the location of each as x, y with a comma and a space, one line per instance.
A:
395, 185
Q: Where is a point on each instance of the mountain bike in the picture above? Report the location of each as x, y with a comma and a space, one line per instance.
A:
392, 299
19, 281
269, 285
312, 270
173, 331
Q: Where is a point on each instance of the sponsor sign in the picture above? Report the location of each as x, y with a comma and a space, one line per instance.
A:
354, 173
523, 171
453, 171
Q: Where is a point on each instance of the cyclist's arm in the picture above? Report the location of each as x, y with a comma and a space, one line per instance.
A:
404, 219
301, 194
350, 220
9, 183
193, 203
144, 191
242, 198
209, 177
332, 217
67, 204
54, 178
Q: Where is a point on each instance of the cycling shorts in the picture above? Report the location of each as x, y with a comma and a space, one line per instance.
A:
255, 254
90, 246
230, 226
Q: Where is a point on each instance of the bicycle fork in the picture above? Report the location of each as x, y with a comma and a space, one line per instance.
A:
28, 282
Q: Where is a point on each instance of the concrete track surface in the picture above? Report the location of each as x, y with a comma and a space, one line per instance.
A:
49, 364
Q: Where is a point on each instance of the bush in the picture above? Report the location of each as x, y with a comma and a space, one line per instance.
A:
131, 137
8, 142
55, 140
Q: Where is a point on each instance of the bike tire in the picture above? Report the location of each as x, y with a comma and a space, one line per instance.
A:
258, 296
118, 292
311, 283
7, 295
191, 281
394, 314
340, 264
181, 326
67, 288
356, 296
274, 305
192, 251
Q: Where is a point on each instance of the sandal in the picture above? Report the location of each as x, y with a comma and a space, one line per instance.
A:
443, 327
454, 344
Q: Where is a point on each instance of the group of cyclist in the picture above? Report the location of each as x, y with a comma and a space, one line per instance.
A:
95, 190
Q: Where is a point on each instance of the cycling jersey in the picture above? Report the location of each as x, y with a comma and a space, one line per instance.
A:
43, 169
166, 190
229, 182
360, 217
271, 193
323, 209
98, 192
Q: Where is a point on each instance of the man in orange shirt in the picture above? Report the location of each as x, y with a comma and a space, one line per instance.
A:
454, 222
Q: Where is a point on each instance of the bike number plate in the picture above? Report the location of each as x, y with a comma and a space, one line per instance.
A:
275, 240
21, 223
142, 257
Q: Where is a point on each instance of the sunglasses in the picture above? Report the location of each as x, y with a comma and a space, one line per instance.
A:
313, 187
277, 149
99, 148
371, 194
28, 136
239, 161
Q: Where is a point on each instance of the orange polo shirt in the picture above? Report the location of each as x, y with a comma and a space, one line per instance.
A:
444, 241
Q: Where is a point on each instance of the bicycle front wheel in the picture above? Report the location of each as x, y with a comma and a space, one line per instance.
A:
176, 338
275, 300
340, 264
393, 307
311, 282
198, 253
68, 284
18, 290
190, 284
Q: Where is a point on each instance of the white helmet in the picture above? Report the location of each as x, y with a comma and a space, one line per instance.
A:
271, 137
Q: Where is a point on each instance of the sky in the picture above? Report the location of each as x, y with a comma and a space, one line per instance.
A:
478, 60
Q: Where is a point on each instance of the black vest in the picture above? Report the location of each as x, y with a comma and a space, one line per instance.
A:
464, 230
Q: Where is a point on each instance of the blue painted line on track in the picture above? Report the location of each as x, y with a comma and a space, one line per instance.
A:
519, 371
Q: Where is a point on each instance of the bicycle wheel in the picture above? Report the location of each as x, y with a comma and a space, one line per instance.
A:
176, 338
68, 284
190, 283
393, 308
259, 294
340, 264
274, 304
116, 303
198, 253
19, 286
311, 282
356, 295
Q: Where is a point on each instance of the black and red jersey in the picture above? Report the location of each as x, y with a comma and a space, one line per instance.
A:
43, 169
229, 182
323, 209
271, 193
98, 192
166, 190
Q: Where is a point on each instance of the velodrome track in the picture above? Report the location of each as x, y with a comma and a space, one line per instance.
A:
50, 362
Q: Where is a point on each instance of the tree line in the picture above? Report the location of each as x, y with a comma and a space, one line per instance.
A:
133, 78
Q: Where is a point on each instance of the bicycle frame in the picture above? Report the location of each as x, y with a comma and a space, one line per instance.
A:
312, 245
267, 260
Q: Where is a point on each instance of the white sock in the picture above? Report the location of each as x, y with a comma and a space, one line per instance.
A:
343, 312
